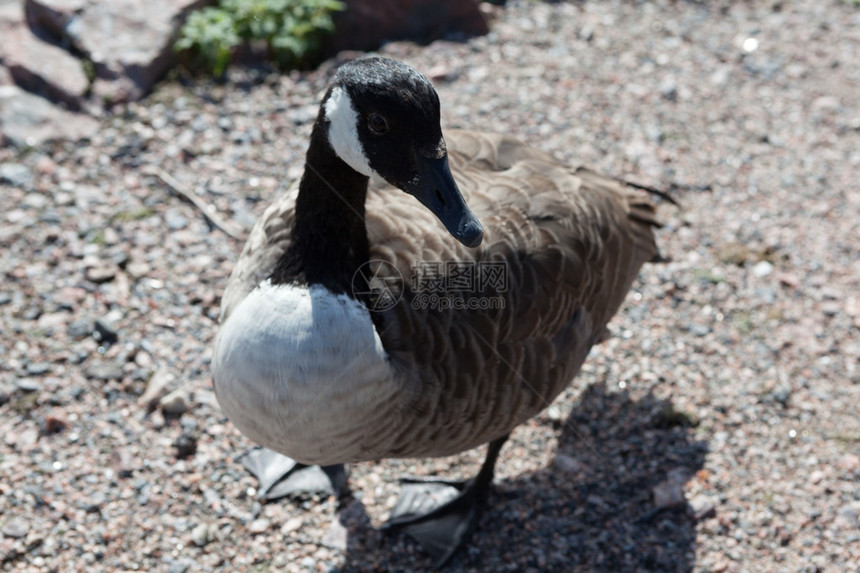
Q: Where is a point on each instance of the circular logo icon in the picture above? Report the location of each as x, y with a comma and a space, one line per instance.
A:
378, 284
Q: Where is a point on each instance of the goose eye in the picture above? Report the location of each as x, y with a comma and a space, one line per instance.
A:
377, 124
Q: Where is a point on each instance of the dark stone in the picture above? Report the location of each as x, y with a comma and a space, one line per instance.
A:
186, 445
104, 331
53, 425
367, 24
27, 120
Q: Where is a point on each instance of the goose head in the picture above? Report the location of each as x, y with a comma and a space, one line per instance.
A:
382, 120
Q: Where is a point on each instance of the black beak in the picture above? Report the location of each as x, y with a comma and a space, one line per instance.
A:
435, 188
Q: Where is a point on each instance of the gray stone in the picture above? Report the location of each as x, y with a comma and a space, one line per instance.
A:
38, 368
16, 174
700, 329
568, 464
104, 371
174, 219
27, 120
16, 528
28, 385
670, 492
181, 565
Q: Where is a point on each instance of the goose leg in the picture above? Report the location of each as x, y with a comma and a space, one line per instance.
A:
281, 476
441, 514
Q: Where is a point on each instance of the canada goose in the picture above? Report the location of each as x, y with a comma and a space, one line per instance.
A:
308, 363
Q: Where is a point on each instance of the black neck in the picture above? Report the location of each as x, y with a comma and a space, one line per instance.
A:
329, 238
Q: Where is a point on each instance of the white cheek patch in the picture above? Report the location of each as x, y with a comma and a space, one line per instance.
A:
343, 132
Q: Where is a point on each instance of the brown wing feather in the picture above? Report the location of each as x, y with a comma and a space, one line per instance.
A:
572, 242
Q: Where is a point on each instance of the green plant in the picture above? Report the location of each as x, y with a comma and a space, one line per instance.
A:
291, 30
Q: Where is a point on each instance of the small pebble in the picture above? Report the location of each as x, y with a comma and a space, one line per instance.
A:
16, 174
104, 331
336, 536
16, 527
670, 492
568, 464
28, 385
182, 565
157, 387
762, 269
186, 445
104, 370
292, 524
175, 403
703, 507
101, 273
53, 425
259, 525
38, 368
203, 534
848, 462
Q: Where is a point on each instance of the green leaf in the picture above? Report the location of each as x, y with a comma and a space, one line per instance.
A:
292, 29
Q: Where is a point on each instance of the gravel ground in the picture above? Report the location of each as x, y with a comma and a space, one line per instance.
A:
718, 430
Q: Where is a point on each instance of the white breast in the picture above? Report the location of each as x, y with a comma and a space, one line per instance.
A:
303, 372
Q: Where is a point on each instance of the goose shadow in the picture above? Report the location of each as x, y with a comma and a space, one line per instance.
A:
592, 509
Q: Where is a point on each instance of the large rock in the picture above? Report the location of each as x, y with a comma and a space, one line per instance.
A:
366, 24
28, 120
53, 15
130, 46
38, 65
130, 42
